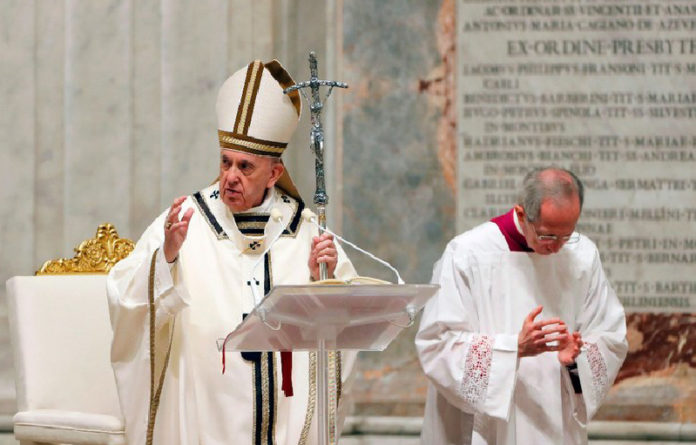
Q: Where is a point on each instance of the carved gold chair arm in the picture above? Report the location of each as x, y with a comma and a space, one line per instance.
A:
93, 256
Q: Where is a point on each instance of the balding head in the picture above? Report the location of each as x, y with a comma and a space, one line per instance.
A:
556, 184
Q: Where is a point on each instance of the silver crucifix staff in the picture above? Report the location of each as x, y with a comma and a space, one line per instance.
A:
316, 136
328, 363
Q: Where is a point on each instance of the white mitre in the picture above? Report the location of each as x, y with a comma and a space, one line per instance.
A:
256, 117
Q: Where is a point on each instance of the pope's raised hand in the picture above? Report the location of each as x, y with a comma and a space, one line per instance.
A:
537, 337
175, 230
323, 251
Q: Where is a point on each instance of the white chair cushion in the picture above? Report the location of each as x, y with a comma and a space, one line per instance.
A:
56, 426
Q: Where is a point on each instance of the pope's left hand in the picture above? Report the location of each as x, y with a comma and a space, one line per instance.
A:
570, 348
323, 251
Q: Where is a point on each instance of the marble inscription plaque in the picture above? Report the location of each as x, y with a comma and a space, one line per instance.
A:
607, 89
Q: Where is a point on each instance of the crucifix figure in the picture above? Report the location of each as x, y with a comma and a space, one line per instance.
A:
316, 136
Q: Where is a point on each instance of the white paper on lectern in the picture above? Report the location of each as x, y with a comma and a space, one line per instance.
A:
346, 317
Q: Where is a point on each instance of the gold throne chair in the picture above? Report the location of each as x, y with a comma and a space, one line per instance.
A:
61, 340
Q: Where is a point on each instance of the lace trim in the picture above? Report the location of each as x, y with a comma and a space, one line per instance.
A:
477, 370
600, 379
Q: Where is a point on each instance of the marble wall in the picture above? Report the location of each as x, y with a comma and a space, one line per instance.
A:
520, 109
396, 201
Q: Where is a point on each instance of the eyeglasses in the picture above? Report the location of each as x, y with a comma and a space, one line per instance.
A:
568, 239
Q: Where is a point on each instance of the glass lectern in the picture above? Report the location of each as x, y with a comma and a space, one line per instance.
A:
329, 317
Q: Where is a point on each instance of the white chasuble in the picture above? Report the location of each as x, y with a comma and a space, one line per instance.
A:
198, 300
479, 391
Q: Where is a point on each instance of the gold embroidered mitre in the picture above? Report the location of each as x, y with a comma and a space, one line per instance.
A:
256, 117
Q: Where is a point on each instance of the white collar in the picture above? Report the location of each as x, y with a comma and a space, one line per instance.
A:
517, 222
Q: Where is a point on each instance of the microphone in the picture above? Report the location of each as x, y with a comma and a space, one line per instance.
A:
311, 217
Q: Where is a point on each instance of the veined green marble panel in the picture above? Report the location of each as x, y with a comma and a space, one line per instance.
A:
395, 201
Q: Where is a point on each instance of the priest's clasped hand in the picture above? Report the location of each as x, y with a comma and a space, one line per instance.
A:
541, 336
323, 251
175, 230
550, 335
570, 348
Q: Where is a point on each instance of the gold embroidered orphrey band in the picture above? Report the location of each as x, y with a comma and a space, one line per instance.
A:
249, 144
239, 138
155, 386
245, 110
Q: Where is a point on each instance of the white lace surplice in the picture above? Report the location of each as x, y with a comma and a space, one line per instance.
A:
480, 392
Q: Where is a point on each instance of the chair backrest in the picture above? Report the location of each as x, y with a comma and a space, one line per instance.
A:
61, 339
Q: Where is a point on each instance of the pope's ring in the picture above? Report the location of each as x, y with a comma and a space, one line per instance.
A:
168, 225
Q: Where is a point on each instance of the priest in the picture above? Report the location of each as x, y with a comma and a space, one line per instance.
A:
200, 267
526, 335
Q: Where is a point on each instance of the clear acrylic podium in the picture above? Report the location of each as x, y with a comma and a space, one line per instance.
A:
329, 317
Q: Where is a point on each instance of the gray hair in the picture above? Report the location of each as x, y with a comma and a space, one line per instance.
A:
536, 187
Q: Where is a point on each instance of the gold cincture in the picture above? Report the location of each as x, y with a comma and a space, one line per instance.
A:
92, 256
